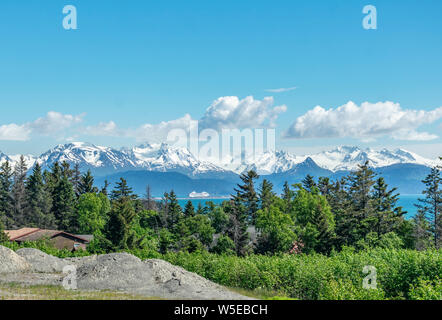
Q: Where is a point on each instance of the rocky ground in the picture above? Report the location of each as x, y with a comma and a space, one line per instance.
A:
116, 272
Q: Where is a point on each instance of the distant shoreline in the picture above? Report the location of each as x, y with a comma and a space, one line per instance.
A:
197, 198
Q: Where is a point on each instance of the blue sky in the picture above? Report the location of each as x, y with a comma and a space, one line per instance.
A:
132, 63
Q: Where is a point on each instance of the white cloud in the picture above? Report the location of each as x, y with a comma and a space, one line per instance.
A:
223, 113
159, 132
14, 132
109, 129
279, 90
53, 122
233, 113
366, 122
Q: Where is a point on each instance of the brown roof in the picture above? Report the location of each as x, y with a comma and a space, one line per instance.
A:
34, 234
15, 234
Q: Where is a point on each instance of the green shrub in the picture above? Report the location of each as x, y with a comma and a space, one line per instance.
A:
426, 290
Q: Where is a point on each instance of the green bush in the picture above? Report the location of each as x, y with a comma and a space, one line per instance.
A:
401, 274
426, 290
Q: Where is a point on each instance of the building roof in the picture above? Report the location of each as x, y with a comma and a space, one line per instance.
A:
34, 234
15, 234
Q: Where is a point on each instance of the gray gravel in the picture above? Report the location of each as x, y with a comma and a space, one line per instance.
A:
116, 272
40, 261
10, 262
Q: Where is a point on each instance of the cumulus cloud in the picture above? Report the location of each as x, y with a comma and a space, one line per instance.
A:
233, 113
279, 90
53, 122
159, 132
223, 113
109, 129
366, 122
14, 132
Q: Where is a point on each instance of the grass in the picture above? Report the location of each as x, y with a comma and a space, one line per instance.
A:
16, 291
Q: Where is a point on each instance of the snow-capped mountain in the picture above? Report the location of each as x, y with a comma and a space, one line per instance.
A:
166, 158
101, 160
271, 162
348, 158
339, 159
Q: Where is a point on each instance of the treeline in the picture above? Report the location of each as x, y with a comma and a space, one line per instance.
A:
360, 211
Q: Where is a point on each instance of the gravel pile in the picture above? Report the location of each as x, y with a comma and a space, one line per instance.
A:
10, 262
40, 261
116, 272
153, 278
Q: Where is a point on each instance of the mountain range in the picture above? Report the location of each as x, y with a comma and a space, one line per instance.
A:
165, 167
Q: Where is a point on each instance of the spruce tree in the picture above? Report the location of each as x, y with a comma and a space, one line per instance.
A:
19, 192
324, 186
287, 197
86, 184
63, 206
175, 213
266, 194
309, 183
3, 235
122, 190
38, 201
6, 200
75, 179
237, 226
189, 210
431, 205
389, 215
104, 190
119, 228
247, 194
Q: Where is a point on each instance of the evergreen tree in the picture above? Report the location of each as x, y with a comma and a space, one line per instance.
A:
431, 205
287, 196
122, 190
3, 235
189, 210
423, 238
266, 194
76, 178
247, 194
324, 186
105, 188
19, 192
309, 183
389, 215
38, 202
6, 201
86, 184
66, 170
237, 227
200, 210
175, 213
63, 206
118, 229
150, 203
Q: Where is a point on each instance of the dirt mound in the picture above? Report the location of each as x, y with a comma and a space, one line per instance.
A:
116, 272
10, 262
40, 261
154, 278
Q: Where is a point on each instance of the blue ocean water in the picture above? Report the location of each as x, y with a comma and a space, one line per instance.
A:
406, 201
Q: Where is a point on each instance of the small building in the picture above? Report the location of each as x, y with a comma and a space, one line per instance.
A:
59, 239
